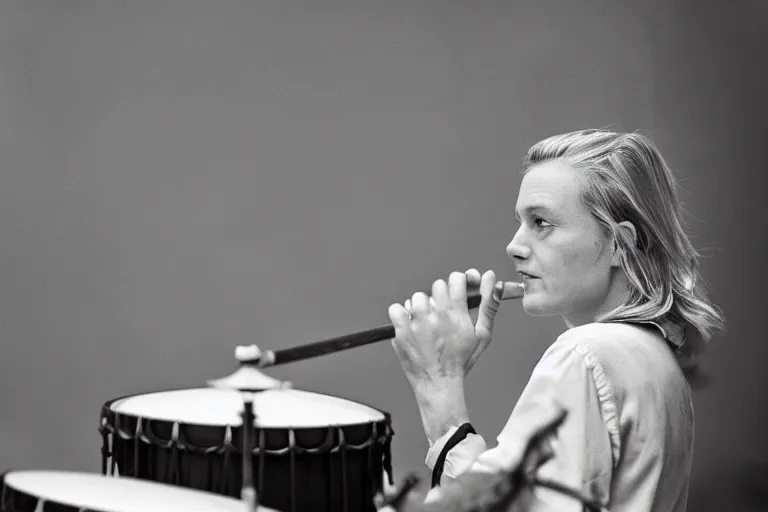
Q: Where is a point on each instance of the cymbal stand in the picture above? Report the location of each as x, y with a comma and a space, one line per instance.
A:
248, 381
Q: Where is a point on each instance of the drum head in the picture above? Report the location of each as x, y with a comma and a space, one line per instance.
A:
112, 494
274, 408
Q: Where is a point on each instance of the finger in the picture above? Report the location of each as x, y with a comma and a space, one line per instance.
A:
400, 319
473, 278
419, 305
440, 297
457, 291
408, 306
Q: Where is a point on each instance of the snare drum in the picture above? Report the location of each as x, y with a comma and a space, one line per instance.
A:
69, 491
311, 451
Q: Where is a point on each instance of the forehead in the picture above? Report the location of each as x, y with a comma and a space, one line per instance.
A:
554, 185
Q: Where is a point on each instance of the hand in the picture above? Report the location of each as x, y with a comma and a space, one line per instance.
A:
435, 337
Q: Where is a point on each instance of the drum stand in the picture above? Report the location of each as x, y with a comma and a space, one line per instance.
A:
248, 492
248, 380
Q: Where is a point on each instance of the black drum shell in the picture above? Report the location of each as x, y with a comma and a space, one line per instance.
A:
333, 468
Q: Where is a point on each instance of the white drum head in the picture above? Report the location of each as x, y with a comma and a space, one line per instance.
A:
98, 492
274, 408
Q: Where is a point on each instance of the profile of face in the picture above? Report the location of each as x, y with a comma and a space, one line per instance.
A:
565, 259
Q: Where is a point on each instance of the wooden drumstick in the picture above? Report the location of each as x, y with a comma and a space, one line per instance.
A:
509, 290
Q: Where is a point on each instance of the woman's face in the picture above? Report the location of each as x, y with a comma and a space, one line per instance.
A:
562, 248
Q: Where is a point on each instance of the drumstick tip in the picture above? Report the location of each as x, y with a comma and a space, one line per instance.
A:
247, 353
506, 290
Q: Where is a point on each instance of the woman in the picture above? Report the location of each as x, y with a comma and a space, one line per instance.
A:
601, 244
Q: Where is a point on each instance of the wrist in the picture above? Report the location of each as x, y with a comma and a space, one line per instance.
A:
442, 405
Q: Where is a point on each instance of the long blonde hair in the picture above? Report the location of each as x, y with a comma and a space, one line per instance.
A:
624, 177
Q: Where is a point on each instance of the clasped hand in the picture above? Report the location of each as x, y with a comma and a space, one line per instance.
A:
435, 337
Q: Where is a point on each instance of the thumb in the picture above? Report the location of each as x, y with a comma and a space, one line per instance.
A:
490, 298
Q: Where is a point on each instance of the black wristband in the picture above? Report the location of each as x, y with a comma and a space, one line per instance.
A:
461, 433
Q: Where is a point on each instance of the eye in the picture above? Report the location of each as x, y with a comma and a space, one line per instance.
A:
541, 223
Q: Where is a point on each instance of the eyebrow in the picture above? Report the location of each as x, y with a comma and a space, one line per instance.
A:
533, 208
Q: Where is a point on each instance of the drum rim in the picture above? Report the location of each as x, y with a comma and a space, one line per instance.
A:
108, 414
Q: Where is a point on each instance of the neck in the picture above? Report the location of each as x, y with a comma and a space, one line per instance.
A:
616, 296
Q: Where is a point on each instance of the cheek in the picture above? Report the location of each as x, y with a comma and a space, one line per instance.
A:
580, 263
571, 260
575, 258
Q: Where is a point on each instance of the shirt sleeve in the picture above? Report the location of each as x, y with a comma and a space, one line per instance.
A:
583, 445
461, 456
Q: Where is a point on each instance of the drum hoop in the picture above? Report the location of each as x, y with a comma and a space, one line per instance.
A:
106, 410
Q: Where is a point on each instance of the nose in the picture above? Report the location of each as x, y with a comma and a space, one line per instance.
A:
517, 250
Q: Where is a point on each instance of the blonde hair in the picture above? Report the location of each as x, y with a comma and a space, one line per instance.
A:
625, 178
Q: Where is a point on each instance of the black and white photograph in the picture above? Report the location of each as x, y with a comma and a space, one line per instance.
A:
383, 256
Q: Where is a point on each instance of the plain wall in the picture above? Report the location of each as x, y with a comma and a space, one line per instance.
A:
178, 178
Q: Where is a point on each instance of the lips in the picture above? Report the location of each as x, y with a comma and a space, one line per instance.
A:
527, 279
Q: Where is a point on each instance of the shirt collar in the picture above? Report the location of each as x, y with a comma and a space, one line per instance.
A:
672, 331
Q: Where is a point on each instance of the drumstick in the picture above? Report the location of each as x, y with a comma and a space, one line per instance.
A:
266, 358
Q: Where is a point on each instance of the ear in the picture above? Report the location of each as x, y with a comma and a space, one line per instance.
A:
628, 229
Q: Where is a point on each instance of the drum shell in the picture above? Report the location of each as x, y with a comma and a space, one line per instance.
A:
333, 468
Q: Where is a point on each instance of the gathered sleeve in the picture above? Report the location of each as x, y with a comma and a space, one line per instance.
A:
586, 446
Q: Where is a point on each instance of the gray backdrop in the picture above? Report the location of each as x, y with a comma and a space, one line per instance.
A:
180, 177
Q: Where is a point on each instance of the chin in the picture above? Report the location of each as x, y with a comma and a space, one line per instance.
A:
534, 306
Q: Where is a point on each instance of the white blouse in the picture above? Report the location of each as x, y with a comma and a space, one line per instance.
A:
627, 440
